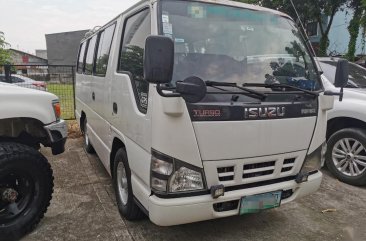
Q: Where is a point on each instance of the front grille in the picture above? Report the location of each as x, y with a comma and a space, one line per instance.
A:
226, 173
253, 170
259, 169
288, 164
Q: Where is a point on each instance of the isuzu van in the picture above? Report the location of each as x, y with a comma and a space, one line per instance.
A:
203, 109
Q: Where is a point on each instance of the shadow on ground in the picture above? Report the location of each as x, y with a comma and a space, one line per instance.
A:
83, 208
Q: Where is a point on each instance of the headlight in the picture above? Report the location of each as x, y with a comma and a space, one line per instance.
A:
315, 160
185, 179
169, 175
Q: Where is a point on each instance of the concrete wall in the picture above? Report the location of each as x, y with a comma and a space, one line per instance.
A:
62, 48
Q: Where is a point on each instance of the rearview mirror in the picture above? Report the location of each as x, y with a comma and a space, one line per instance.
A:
341, 77
192, 89
158, 59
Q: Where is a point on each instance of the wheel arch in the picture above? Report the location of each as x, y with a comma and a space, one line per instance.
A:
82, 119
24, 130
117, 144
340, 123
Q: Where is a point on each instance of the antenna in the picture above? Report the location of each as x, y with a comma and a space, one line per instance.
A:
306, 35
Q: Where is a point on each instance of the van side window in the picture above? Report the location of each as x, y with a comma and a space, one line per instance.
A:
89, 61
81, 58
105, 41
137, 29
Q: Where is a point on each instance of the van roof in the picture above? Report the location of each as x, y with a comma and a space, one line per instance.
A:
221, 2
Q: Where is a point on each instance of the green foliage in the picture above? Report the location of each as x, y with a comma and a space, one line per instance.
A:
354, 27
4, 53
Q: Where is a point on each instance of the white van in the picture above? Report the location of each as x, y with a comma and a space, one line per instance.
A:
202, 109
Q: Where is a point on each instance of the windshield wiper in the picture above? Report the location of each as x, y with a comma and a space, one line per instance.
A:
249, 92
276, 85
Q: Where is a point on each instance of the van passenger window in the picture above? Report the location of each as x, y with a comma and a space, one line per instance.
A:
137, 29
104, 48
81, 58
90, 56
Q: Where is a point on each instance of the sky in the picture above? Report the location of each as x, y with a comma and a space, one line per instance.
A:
25, 22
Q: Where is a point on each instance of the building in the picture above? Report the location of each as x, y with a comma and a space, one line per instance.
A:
41, 53
26, 63
62, 48
339, 36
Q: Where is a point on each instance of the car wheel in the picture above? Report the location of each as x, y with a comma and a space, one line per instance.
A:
26, 187
123, 188
87, 144
346, 156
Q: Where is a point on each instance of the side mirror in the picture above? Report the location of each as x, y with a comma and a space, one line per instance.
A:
158, 59
192, 89
341, 77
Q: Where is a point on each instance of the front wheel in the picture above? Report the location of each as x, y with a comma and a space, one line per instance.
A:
346, 156
26, 187
123, 188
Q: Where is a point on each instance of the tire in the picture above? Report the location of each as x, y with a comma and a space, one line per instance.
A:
125, 202
347, 148
28, 172
87, 145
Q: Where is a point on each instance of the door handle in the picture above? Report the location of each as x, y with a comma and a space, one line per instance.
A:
115, 108
93, 96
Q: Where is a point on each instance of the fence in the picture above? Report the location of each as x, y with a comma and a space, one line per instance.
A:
56, 79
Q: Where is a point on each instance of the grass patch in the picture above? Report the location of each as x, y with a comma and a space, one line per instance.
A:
65, 93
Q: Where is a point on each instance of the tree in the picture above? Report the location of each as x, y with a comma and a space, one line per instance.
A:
354, 27
4, 53
309, 11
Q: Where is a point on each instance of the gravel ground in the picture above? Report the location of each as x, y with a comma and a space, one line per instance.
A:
83, 208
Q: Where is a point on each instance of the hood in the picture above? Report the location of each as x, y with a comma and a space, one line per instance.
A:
231, 132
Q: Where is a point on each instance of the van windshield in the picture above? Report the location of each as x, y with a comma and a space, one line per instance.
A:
228, 44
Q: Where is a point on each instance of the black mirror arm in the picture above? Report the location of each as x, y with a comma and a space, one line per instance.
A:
331, 93
160, 88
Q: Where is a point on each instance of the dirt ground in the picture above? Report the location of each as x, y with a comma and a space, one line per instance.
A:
83, 208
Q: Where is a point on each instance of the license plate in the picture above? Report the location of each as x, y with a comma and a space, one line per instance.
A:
256, 203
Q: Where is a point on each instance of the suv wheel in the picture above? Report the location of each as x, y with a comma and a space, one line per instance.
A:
346, 156
26, 187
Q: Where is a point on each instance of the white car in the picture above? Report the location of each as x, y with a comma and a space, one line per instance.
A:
28, 118
346, 133
24, 82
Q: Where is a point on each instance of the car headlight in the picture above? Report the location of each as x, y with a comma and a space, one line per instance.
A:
185, 179
315, 160
170, 175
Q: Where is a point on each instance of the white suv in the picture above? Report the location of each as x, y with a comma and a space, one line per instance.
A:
346, 133
28, 118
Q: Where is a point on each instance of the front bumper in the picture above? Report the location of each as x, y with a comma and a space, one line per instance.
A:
57, 133
175, 211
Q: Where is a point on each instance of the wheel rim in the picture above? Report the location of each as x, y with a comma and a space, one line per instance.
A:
349, 157
122, 183
17, 190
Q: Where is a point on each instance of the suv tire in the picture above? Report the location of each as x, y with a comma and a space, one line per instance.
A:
27, 175
346, 156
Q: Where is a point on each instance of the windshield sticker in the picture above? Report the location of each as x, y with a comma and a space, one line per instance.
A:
165, 18
179, 40
167, 28
197, 11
